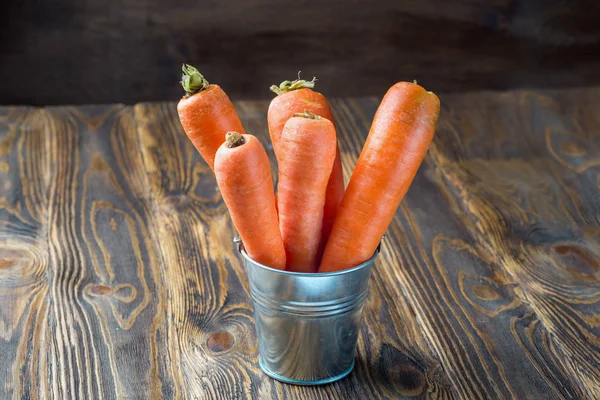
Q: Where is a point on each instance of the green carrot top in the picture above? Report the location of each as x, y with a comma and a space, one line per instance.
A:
192, 80
288, 86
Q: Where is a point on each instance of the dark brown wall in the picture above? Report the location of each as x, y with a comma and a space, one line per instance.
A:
103, 51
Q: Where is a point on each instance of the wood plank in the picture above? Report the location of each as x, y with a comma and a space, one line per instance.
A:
132, 51
520, 170
107, 332
24, 262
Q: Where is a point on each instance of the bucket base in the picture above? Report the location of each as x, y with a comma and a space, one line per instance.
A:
302, 382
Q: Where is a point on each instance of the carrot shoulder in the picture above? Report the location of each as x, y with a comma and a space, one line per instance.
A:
244, 177
307, 152
205, 114
296, 97
402, 130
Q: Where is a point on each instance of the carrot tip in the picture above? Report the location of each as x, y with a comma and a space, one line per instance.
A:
192, 80
234, 139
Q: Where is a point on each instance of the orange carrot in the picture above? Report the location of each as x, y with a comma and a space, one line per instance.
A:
401, 132
307, 151
297, 97
244, 177
205, 113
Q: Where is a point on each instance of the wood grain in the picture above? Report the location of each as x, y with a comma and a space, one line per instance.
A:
119, 280
94, 52
24, 259
533, 216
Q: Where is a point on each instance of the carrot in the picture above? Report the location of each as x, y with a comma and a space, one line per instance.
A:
205, 113
244, 177
296, 97
401, 132
307, 151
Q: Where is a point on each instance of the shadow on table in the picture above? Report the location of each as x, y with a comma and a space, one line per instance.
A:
393, 373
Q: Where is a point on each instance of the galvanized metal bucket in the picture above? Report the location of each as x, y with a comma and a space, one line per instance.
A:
307, 324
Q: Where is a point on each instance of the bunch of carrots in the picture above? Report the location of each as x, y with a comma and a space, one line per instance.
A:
313, 224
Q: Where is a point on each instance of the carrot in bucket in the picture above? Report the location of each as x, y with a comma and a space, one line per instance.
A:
244, 177
306, 155
296, 97
400, 134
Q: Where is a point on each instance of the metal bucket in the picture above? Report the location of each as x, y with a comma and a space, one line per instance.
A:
307, 324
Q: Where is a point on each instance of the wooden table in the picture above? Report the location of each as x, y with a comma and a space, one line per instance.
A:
118, 277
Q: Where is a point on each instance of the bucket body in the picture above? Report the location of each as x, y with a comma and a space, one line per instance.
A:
307, 324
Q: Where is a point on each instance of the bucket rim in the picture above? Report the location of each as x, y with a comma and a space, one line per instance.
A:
370, 261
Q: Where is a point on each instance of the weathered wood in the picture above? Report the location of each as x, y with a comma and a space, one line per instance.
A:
107, 300
529, 198
118, 278
25, 298
91, 51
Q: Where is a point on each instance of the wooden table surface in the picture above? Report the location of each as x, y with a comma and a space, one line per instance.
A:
118, 277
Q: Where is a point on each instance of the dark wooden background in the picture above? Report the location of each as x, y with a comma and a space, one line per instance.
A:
99, 51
